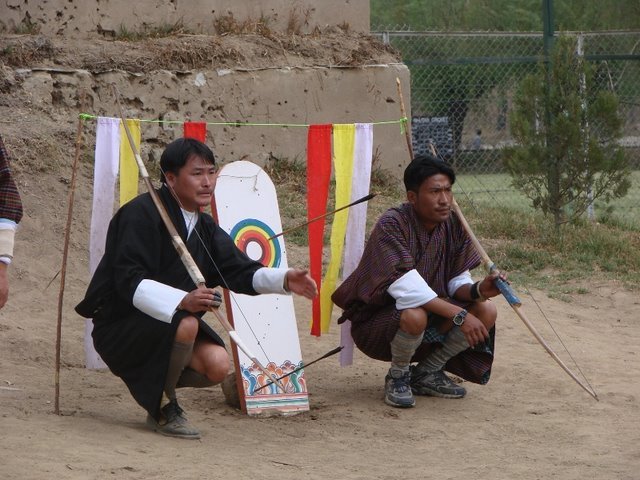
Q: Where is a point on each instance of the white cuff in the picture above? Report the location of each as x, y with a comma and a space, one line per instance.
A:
411, 291
270, 280
456, 282
7, 234
157, 300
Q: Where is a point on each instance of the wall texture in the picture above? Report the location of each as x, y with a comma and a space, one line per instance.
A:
81, 17
291, 96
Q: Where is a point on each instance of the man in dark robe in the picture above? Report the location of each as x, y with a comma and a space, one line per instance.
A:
412, 299
145, 307
10, 216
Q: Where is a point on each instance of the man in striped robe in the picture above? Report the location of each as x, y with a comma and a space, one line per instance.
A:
10, 216
412, 299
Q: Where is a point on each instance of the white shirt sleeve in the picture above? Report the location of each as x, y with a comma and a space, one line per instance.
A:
270, 280
411, 291
157, 300
7, 233
456, 282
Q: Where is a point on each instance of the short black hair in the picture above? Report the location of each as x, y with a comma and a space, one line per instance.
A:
423, 166
178, 152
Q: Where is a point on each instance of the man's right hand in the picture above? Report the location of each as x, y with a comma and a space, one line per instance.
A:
474, 330
201, 299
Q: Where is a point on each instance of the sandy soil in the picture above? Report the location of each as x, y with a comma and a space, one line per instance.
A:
530, 422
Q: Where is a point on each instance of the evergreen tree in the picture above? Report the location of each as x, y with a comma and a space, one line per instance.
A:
566, 154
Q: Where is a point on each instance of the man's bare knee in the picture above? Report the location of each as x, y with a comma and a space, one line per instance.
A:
187, 330
486, 312
413, 321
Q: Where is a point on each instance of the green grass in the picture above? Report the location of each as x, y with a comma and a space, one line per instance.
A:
520, 241
487, 190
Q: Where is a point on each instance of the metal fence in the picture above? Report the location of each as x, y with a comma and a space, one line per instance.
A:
462, 88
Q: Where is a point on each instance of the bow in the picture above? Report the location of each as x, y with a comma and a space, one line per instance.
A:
502, 285
513, 299
183, 253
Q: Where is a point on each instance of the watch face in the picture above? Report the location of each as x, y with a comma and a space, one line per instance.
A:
458, 318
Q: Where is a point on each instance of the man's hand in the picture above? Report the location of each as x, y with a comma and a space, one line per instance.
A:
488, 288
474, 330
4, 284
300, 282
200, 299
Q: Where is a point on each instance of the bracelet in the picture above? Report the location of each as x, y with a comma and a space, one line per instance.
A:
475, 294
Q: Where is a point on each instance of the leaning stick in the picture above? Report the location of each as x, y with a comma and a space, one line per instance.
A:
502, 285
360, 200
183, 253
63, 270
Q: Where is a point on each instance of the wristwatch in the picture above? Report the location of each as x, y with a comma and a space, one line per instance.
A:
458, 318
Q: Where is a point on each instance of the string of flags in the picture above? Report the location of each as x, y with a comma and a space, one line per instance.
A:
348, 148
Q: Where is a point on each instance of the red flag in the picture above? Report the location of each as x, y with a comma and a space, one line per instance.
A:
318, 176
197, 130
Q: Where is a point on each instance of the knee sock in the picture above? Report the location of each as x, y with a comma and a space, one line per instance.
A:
454, 343
403, 346
180, 357
191, 378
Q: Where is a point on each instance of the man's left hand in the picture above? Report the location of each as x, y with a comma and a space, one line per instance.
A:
300, 282
488, 288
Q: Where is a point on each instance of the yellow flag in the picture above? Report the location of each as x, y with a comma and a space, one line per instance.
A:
343, 146
128, 165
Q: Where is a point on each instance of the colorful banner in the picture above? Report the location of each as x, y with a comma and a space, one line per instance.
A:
343, 147
318, 177
357, 223
128, 164
107, 154
197, 130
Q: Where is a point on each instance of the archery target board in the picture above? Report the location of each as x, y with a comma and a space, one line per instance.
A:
247, 209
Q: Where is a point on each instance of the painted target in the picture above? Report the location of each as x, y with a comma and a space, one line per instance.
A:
253, 238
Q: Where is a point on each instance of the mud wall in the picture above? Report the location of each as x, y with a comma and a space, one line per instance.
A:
298, 96
81, 17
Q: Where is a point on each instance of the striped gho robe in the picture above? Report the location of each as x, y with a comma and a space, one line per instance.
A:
10, 207
10, 203
400, 243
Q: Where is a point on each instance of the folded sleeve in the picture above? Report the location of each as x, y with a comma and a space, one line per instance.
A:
411, 291
157, 300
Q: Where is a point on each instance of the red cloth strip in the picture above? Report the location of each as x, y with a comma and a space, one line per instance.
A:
197, 130
318, 177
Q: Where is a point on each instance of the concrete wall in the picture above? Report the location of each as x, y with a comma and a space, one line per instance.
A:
82, 17
293, 96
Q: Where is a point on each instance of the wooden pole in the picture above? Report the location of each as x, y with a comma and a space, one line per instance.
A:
63, 270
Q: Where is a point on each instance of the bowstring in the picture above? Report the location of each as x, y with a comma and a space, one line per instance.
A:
224, 281
485, 189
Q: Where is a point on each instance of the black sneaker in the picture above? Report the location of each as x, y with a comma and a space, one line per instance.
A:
173, 422
397, 389
435, 384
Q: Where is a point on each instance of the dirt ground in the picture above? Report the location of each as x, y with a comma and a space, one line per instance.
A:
530, 422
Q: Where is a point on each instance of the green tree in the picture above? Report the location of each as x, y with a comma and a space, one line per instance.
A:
566, 154
503, 15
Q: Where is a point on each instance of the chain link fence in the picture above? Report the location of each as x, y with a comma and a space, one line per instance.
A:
462, 89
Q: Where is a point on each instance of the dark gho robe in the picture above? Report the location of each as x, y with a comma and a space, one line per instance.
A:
398, 244
135, 346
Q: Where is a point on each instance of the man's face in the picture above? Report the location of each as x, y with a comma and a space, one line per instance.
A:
194, 183
432, 203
